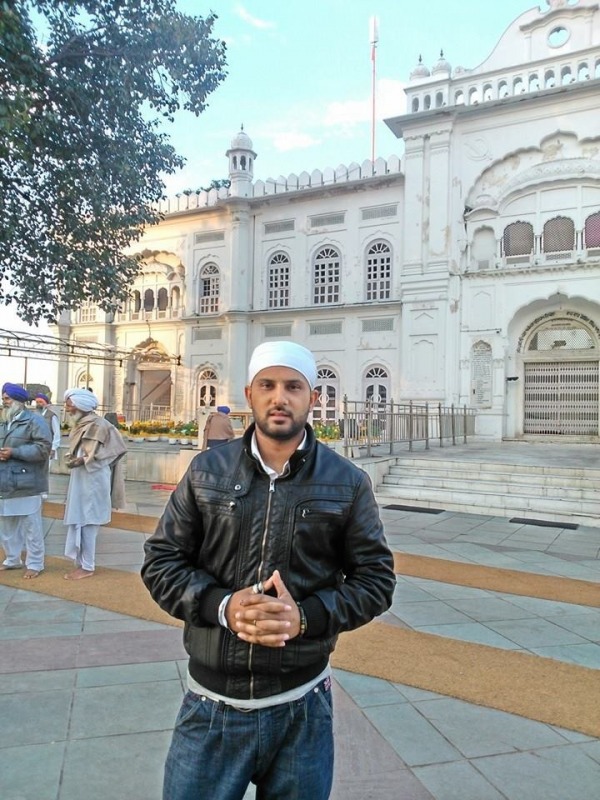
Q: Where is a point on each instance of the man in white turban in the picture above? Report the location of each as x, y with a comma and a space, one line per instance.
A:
270, 546
96, 482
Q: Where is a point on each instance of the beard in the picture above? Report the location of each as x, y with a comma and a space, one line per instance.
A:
73, 419
11, 411
278, 433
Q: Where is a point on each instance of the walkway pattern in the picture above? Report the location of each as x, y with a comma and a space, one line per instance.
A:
88, 697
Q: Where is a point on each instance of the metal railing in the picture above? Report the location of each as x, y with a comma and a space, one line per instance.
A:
370, 424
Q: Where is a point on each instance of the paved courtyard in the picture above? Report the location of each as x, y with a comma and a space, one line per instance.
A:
88, 697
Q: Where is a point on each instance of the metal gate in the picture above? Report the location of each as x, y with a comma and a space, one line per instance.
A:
561, 398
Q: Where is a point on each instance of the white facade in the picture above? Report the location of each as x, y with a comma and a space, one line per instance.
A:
467, 274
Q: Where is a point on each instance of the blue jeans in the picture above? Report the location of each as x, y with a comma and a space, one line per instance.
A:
286, 750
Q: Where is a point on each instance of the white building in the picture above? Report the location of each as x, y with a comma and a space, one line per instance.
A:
467, 273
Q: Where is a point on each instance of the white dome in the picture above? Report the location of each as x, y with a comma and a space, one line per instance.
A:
241, 141
441, 66
420, 71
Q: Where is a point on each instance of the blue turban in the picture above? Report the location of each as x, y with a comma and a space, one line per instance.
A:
43, 397
16, 392
223, 409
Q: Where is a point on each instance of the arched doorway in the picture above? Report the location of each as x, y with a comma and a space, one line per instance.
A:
377, 385
152, 381
206, 388
561, 358
325, 409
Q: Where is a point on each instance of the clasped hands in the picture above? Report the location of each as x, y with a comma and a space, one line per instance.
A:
71, 462
262, 619
5, 453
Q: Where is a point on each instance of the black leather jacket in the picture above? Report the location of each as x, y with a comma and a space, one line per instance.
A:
226, 527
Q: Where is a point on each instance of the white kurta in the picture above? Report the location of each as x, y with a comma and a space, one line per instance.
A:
88, 496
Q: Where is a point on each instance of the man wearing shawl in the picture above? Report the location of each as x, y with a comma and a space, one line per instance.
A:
96, 482
24, 453
218, 429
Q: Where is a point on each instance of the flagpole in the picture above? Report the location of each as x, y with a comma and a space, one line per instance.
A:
374, 39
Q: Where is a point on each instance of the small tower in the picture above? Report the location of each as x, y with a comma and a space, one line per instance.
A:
241, 164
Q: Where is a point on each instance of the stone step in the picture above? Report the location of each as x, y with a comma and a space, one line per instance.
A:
561, 494
473, 501
468, 472
566, 490
476, 467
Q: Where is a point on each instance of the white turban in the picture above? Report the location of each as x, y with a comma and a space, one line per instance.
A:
283, 354
82, 399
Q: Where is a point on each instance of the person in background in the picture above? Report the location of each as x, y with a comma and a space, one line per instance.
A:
96, 482
42, 405
25, 443
218, 429
267, 550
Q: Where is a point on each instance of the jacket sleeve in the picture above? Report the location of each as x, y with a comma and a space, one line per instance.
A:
169, 570
369, 580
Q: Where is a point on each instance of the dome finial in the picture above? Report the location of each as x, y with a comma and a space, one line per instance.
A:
420, 71
441, 66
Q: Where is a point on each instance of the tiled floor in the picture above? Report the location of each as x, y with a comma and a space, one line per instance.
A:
88, 697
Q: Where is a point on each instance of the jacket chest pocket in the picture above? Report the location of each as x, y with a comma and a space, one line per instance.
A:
217, 509
319, 524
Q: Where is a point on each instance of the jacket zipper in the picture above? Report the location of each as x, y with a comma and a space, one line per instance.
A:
259, 572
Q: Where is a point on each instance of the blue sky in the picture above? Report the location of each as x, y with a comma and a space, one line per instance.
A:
300, 77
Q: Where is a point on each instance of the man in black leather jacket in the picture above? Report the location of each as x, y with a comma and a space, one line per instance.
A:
270, 547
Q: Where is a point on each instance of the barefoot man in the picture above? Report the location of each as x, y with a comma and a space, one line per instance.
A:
96, 482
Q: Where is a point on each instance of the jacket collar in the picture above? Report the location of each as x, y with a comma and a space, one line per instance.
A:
296, 459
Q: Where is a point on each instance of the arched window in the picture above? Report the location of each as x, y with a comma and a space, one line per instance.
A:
534, 82
583, 72
427, 103
592, 230
439, 100
207, 388
566, 76
279, 281
488, 93
483, 248
503, 90
518, 86
561, 334
209, 288
474, 95
459, 98
379, 271
84, 380
163, 300
549, 80
148, 300
415, 104
326, 276
559, 235
518, 239
327, 388
175, 300
377, 385
136, 302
